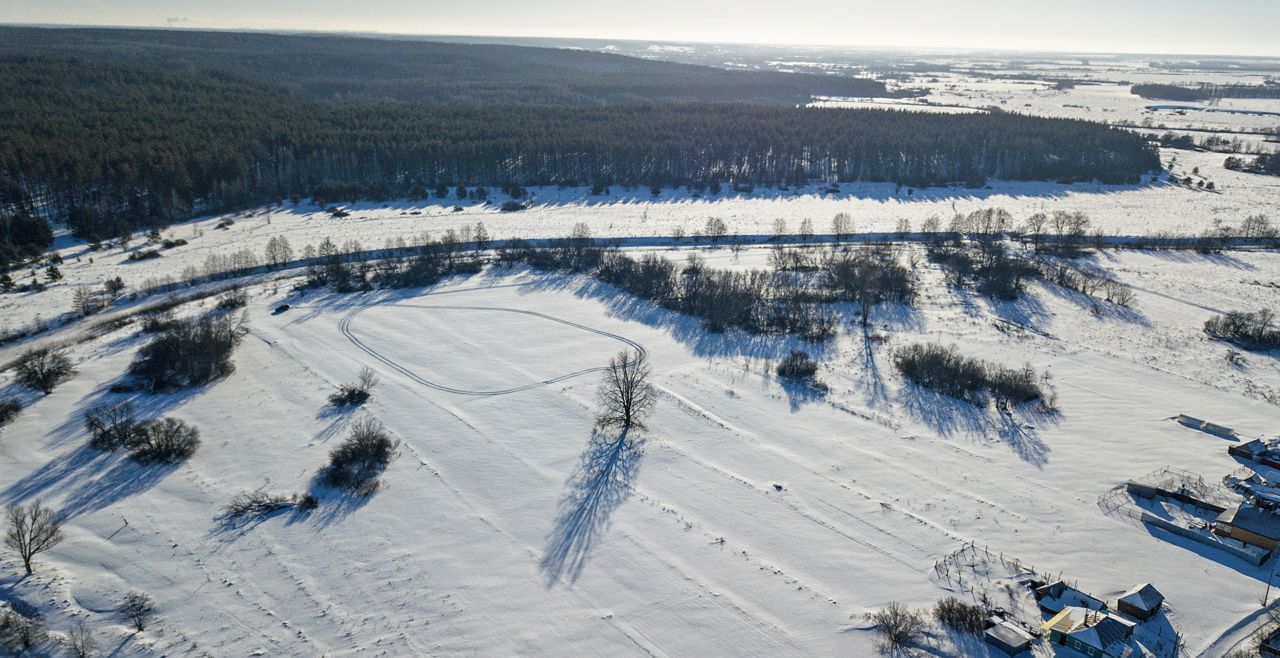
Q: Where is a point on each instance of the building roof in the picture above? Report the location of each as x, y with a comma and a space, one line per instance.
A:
1144, 597
1008, 634
1100, 630
1252, 518
1057, 595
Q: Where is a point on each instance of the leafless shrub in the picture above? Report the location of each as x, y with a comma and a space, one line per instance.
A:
43, 369
350, 395
33, 529
138, 609
165, 440
112, 426
958, 615
797, 366
233, 298
21, 632
898, 626
260, 504
9, 409
358, 461
81, 643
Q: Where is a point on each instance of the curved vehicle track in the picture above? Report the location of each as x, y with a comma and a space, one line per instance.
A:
345, 326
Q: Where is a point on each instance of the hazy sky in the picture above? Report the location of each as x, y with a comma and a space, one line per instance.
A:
1243, 27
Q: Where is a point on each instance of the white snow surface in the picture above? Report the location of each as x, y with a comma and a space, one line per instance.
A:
748, 519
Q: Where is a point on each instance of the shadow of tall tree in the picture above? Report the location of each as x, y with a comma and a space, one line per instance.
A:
604, 480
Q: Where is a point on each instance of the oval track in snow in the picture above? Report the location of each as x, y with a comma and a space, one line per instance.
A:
345, 326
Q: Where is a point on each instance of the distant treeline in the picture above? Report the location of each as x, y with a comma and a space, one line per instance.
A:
1205, 92
113, 147
1266, 163
333, 68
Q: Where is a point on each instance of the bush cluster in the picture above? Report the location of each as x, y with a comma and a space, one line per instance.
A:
946, 371
115, 427
356, 463
187, 353
958, 615
355, 394
9, 409
1254, 330
797, 366
232, 299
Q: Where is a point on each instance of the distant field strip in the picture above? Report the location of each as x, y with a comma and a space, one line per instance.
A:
345, 326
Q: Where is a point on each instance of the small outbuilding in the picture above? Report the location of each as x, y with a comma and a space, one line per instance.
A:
1008, 638
1140, 602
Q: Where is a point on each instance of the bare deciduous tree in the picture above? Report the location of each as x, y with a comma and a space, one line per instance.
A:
138, 608
81, 642
626, 395
33, 529
43, 369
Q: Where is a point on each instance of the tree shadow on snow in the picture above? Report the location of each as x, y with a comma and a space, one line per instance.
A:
90, 479
604, 479
688, 330
1016, 428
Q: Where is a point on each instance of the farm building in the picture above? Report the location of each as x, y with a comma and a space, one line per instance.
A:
1257, 450
1008, 638
1250, 524
1206, 426
1057, 595
1140, 602
1090, 632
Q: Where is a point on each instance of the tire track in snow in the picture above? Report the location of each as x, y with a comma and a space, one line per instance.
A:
345, 326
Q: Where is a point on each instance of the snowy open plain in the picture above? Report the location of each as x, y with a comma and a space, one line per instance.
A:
750, 518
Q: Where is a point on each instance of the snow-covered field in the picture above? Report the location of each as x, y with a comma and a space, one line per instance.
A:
875, 208
749, 519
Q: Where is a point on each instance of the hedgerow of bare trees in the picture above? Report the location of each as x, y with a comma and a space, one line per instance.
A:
625, 394
357, 393
33, 529
43, 368
946, 371
1255, 330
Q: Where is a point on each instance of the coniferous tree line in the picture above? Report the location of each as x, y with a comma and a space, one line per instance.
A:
1204, 92
340, 68
110, 148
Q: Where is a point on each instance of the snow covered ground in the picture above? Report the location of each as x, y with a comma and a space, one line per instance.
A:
875, 208
751, 518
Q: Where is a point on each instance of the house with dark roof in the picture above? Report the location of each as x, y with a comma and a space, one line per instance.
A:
1141, 602
1250, 524
1098, 634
